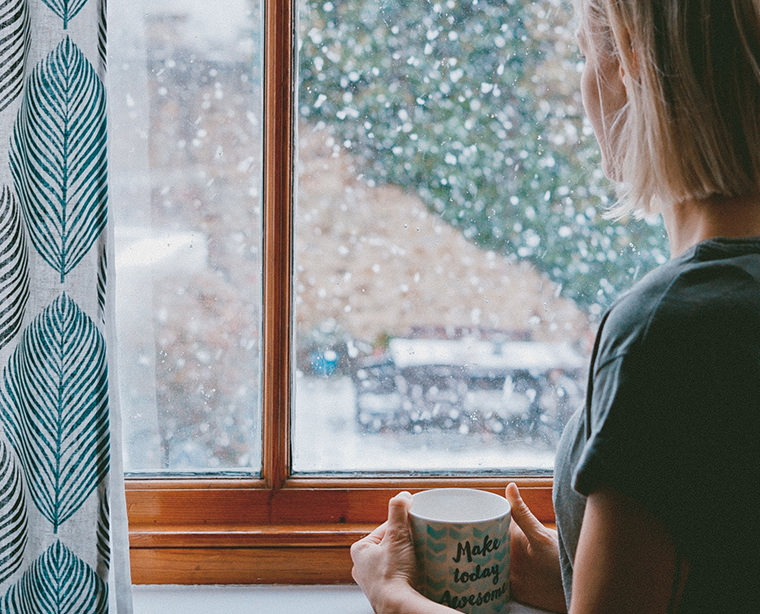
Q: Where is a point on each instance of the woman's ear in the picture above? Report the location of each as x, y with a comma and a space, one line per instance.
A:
629, 58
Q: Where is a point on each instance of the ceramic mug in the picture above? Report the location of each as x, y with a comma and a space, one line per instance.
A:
461, 541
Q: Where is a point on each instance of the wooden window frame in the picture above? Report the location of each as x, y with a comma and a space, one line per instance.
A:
278, 529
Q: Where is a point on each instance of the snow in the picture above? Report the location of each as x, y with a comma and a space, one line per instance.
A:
326, 438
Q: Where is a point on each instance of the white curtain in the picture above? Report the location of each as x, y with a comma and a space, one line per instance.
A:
63, 545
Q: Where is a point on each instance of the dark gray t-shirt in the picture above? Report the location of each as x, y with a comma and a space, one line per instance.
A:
672, 420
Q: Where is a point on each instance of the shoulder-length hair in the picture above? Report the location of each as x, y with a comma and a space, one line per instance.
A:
691, 127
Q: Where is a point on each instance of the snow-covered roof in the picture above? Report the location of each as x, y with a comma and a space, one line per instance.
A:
476, 354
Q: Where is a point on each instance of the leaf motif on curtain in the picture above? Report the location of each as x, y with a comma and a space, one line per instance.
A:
13, 516
65, 9
58, 157
57, 582
55, 408
103, 34
102, 279
104, 537
15, 28
14, 267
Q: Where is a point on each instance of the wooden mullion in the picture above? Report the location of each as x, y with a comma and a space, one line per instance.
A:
279, 56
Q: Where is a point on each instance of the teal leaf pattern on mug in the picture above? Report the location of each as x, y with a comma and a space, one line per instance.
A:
14, 268
502, 553
439, 534
437, 586
58, 157
15, 29
437, 548
57, 583
65, 9
55, 408
13, 515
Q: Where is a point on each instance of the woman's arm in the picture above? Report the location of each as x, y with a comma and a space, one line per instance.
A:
385, 568
626, 561
534, 570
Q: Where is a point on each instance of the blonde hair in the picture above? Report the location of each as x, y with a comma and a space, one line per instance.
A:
691, 127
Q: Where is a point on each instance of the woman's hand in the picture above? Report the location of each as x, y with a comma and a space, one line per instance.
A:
385, 567
534, 570
384, 564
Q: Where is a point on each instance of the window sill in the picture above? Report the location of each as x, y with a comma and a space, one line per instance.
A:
237, 532
290, 600
284, 554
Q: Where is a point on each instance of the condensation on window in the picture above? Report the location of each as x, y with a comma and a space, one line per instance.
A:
452, 260
185, 177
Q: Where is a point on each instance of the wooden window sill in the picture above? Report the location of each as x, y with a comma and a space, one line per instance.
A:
240, 532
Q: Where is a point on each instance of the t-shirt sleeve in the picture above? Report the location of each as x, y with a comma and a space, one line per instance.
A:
627, 447
648, 418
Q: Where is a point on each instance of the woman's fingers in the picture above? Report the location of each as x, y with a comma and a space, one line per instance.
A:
521, 514
377, 534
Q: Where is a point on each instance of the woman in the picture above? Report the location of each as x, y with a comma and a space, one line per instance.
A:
654, 477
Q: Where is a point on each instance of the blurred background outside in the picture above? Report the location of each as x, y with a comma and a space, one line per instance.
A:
451, 258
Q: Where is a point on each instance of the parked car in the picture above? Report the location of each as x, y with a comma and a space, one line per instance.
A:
514, 389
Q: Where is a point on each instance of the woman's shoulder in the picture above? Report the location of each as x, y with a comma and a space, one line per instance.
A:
708, 293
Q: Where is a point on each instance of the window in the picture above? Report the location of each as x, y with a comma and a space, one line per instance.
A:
186, 188
383, 213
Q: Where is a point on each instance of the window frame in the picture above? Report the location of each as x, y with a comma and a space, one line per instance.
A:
280, 528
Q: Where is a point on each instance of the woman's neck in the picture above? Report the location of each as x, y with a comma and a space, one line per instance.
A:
690, 222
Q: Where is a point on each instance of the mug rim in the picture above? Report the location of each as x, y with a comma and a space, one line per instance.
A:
437, 492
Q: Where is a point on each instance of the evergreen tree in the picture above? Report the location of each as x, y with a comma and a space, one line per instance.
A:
474, 105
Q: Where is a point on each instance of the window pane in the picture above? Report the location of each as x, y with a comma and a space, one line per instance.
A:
451, 257
185, 88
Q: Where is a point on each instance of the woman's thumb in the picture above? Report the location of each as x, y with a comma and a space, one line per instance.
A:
521, 514
398, 510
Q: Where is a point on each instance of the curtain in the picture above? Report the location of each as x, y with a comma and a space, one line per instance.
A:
63, 544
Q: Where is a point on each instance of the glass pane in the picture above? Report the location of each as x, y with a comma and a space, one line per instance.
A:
185, 177
452, 261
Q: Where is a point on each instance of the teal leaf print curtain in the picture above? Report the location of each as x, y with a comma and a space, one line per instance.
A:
14, 44
14, 267
14, 529
63, 540
58, 157
57, 582
55, 385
